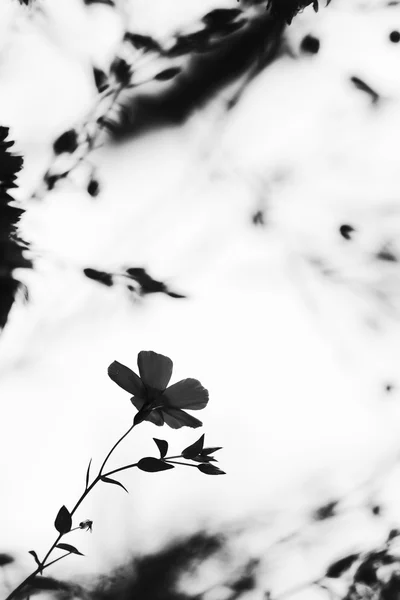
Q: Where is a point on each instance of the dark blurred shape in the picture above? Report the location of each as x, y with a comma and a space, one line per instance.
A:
5, 559
100, 276
389, 387
394, 37
386, 254
363, 87
167, 74
391, 590
376, 510
346, 231
93, 188
154, 577
340, 566
286, 10
121, 71
11, 246
310, 44
147, 284
215, 57
67, 142
258, 218
327, 511
142, 42
108, 2
100, 79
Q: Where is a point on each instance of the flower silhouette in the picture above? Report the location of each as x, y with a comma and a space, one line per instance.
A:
150, 395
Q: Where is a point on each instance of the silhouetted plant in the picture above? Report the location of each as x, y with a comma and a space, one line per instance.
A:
156, 403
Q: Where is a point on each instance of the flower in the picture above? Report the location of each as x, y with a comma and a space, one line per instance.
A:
87, 525
154, 400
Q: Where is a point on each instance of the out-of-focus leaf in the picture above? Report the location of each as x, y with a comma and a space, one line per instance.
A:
221, 16
5, 559
337, 568
167, 74
63, 522
142, 42
67, 142
153, 465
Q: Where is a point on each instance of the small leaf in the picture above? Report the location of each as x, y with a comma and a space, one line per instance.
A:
168, 74
162, 445
63, 522
69, 548
100, 79
114, 481
208, 451
152, 465
87, 474
35, 556
93, 188
194, 449
209, 469
337, 568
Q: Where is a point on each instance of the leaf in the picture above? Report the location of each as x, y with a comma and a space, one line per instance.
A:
114, 481
153, 465
48, 583
194, 449
35, 556
67, 142
63, 522
87, 474
100, 79
167, 74
208, 451
337, 568
162, 445
209, 469
69, 548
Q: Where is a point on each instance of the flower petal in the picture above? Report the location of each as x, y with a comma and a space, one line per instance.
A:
176, 418
188, 393
155, 416
155, 369
126, 379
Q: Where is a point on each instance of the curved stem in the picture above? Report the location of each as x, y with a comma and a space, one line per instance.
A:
113, 448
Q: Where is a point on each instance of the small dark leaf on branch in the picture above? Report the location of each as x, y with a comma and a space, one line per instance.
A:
153, 465
337, 568
35, 556
386, 255
100, 79
393, 533
167, 74
63, 522
210, 469
162, 445
5, 559
100, 276
69, 548
67, 142
142, 42
194, 449
221, 16
114, 481
88, 473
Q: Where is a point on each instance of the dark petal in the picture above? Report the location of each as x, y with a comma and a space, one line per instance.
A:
126, 379
176, 418
155, 369
188, 393
155, 416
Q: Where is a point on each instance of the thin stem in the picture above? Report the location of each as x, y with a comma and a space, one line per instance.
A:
176, 462
43, 564
120, 469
